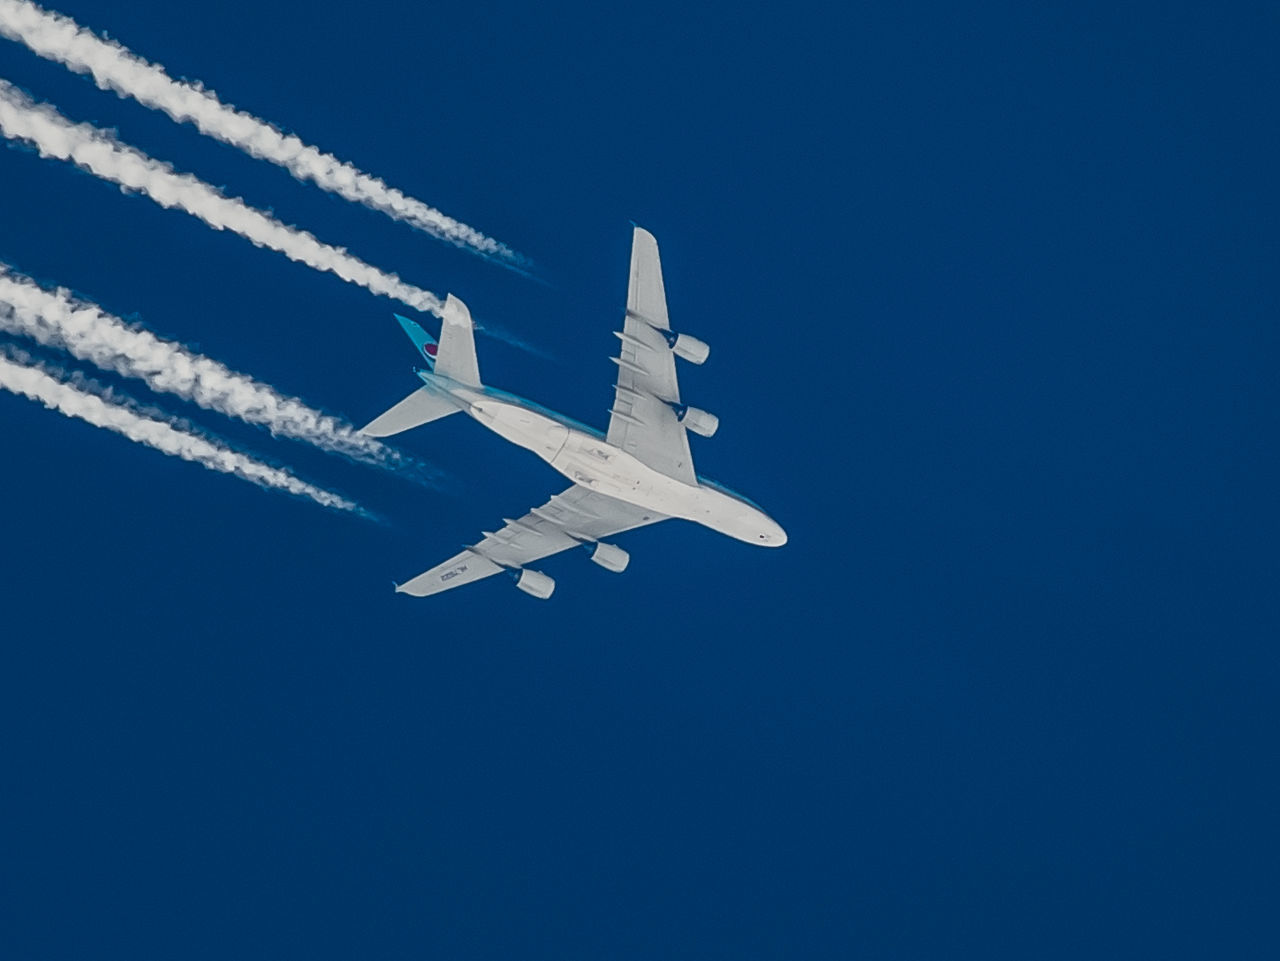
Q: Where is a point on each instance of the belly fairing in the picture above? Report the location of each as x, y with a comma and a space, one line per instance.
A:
526, 428
587, 460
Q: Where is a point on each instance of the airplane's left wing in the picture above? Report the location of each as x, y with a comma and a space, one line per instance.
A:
577, 517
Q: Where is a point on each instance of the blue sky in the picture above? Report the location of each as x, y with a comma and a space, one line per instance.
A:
991, 297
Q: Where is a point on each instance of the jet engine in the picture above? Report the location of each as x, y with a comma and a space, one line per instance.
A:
535, 583
609, 557
687, 346
697, 420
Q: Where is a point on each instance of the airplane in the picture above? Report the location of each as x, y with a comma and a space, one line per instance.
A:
640, 472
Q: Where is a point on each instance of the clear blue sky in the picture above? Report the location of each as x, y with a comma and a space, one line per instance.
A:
991, 292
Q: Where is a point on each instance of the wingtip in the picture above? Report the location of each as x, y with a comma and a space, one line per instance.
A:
643, 234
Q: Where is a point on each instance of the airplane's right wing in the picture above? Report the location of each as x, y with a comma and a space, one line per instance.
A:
644, 422
577, 517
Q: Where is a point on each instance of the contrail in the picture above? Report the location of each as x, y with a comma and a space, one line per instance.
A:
42, 387
96, 151
57, 319
113, 67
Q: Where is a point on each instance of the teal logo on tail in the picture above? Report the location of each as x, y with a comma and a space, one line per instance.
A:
426, 344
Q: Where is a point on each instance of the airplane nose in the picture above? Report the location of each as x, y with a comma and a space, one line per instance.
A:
773, 535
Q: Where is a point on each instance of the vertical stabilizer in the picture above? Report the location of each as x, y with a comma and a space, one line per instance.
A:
457, 355
424, 342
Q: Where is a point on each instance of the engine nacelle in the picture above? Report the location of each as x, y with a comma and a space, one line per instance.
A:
691, 349
698, 420
685, 345
535, 583
611, 558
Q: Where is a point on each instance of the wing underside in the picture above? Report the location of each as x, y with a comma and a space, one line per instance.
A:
573, 518
643, 421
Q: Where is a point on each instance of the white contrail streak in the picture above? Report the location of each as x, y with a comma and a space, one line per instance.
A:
56, 319
59, 38
101, 154
42, 387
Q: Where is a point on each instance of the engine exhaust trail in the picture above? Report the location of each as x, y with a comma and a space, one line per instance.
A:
56, 37
84, 330
43, 387
98, 152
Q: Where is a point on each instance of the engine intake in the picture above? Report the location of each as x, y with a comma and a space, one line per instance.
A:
691, 349
611, 558
687, 346
696, 419
535, 583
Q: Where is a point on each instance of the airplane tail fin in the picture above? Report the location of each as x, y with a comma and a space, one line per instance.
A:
425, 343
453, 357
426, 403
455, 354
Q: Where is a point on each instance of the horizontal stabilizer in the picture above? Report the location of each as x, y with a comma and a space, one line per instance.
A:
457, 357
421, 407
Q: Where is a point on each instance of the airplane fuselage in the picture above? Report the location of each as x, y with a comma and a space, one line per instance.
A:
586, 458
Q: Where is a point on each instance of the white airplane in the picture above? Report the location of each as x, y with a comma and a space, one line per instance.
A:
639, 473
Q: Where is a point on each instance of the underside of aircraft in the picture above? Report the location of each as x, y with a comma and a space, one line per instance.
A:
639, 472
